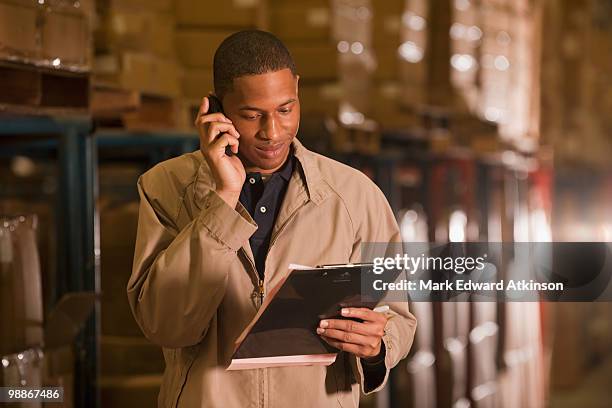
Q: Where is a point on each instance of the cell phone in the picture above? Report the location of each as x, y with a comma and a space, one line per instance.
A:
215, 106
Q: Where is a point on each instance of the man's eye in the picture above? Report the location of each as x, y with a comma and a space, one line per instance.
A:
285, 110
251, 117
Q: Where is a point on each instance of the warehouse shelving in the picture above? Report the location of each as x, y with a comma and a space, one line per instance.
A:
77, 257
77, 148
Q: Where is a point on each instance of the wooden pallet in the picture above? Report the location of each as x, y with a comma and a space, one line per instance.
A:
29, 89
112, 106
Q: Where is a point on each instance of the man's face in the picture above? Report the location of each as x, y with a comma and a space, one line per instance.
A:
266, 113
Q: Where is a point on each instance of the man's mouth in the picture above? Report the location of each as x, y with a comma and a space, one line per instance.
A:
270, 151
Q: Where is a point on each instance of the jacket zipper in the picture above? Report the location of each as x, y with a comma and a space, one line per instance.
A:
254, 274
261, 291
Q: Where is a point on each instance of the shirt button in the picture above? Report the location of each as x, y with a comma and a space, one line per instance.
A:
263, 209
252, 180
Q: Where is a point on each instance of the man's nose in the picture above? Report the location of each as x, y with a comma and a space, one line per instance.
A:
270, 129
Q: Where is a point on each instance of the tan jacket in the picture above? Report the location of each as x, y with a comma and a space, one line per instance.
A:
194, 286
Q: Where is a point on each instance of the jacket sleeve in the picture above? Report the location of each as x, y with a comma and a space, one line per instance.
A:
379, 225
179, 276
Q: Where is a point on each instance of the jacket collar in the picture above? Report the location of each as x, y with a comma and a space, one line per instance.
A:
315, 185
310, 175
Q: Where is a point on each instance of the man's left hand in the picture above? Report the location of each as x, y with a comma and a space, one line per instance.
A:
364, 339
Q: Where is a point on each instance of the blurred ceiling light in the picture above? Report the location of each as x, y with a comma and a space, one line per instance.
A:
410, 52
462, 4
411, 216
540, 228
456, 226
425, 358
462, 62
343, 46
41, 1
351, 118
501, 63
474, 33
457, 31
23, 166
503, 38
56, 62
493, 114
363, 13
356, 48
413, 227
482, 331
413, 21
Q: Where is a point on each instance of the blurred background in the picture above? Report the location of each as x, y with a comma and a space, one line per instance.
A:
481, 120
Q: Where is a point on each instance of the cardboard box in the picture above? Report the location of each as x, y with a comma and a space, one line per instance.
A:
321, 98
66, 38
118, 225
209, 13
196, 48
387, 60
352, 22
140, 71
18, 30
387, 107
138, 5
387, 21
315, 62
197, 83
136, 31
299, 22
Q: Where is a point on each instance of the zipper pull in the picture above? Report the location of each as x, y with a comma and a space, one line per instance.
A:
261, 291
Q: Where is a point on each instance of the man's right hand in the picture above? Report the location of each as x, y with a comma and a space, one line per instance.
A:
216, 132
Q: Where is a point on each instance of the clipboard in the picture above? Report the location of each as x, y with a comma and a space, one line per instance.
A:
283, 332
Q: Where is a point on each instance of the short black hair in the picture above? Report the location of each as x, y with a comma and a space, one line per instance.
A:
248, 52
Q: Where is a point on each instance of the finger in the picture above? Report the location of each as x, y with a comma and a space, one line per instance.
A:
201, 120
203, 107
368, 328
364, 314
212, 117
217, 128
348, 337
348, 347
222, 141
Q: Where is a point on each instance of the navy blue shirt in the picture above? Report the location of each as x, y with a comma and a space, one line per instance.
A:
263, 202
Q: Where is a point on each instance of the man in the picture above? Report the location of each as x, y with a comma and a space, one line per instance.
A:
216, 231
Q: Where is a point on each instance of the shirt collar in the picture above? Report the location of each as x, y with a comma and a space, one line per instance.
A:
286, 169
317, 189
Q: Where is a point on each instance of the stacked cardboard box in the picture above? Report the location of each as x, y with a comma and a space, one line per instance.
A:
134, 46
399, 42
44, 56
201, 25
306, 28
53, 33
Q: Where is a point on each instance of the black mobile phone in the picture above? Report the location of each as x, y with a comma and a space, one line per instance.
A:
215, 106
